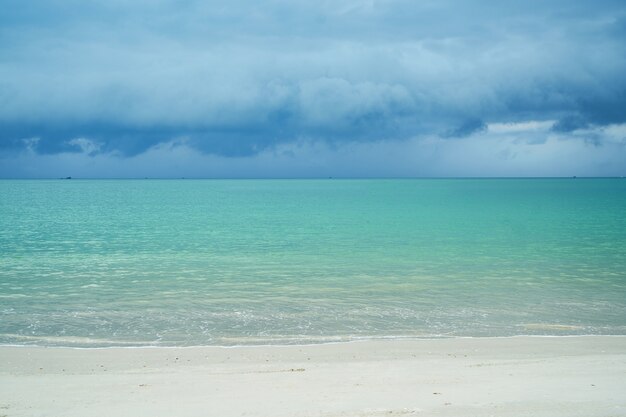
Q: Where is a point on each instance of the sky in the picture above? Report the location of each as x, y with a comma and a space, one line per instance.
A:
341, 88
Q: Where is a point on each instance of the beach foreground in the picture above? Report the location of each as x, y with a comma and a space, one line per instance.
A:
518, 376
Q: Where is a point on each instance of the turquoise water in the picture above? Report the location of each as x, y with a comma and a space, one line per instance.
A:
221, 262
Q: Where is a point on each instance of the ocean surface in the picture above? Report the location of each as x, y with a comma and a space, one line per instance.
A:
229, 262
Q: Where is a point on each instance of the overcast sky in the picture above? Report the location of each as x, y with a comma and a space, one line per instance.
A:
271, 88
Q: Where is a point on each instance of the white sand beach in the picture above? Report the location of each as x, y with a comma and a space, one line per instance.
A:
519, 376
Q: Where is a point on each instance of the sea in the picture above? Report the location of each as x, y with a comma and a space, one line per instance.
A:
101, 263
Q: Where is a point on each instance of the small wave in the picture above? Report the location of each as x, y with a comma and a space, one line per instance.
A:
549, 326
70, 340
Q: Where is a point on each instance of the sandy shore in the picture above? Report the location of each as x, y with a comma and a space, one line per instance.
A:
521, 376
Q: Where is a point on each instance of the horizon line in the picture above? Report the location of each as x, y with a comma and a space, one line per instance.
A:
314, 178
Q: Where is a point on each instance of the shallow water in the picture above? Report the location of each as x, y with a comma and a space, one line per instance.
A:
204, 262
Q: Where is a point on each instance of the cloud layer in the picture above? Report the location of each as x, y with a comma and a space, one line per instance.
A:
244, 79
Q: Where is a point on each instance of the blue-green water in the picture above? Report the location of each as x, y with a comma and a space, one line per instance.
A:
204, 262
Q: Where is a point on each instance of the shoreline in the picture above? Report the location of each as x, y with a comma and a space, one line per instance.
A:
500, 376
130, 345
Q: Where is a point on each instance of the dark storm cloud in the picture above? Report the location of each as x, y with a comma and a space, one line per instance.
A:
239, 78
466, 128
570, 123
